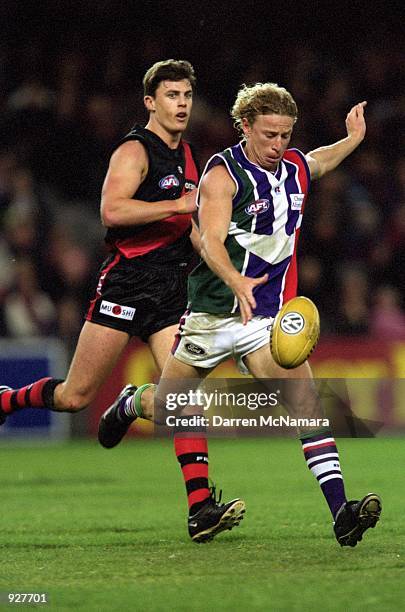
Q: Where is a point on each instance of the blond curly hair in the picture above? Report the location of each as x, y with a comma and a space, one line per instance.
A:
262, 99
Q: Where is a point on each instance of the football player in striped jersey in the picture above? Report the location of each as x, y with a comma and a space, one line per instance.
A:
251, 202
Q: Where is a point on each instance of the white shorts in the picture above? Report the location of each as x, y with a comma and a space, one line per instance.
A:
206, 340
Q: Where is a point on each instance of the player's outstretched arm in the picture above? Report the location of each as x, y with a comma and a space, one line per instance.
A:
216, 193
128, 168
325, 159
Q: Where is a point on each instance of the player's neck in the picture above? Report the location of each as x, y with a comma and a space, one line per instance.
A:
172, 139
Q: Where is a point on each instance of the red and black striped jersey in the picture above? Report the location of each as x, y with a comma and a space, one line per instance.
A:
171, 174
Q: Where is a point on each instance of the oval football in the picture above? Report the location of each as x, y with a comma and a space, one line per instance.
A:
295, 332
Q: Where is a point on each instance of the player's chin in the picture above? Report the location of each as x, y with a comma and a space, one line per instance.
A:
271, 164
181, 123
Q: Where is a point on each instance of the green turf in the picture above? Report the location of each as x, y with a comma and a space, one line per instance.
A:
105, 530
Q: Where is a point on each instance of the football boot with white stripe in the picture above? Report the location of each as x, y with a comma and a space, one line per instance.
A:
215, 517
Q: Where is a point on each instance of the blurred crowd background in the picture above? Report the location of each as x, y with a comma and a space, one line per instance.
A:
70, 87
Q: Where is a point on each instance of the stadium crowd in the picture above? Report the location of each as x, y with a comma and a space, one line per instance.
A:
61, 112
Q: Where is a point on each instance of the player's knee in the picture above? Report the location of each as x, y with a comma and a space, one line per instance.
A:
76, 406
74, 401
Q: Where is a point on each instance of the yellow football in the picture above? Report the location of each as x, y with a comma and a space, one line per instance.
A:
295, 332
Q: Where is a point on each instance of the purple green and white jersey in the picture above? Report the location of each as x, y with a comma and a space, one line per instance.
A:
267, 211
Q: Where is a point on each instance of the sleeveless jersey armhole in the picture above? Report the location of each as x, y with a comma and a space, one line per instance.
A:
217, 160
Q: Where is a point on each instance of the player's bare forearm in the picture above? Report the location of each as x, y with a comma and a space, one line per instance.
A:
325, 159
127, 170
121, 212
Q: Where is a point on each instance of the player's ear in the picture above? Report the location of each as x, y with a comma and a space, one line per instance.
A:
246, 127
149, 102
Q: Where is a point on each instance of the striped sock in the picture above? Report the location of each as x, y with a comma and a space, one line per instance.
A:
192, 454
130, 408
322, 457
36, 395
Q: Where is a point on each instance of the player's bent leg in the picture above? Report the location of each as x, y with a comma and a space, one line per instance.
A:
132, 402
98, 350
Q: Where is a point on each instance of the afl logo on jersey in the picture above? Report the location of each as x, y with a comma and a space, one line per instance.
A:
168, 182
258, 207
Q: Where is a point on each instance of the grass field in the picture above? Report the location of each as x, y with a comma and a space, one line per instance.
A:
105, 530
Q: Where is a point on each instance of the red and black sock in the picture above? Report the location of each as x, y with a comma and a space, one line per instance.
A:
192, 454
36, 395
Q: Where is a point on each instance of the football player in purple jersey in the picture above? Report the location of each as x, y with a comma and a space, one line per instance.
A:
251, 201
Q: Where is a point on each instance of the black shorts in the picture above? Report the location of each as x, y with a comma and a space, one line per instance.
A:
139, 298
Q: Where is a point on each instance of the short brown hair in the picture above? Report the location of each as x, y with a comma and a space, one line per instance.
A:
262, 99
167, 70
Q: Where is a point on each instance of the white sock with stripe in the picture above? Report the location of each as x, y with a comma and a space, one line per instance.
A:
322, 457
